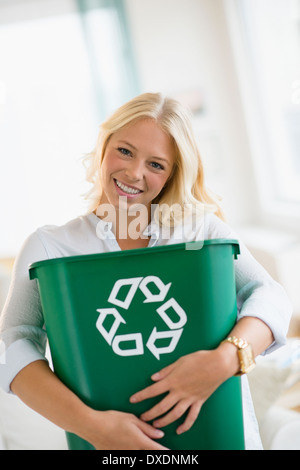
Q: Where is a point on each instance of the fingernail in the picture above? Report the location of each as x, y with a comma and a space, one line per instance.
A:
155, 376
132, 399
159, 433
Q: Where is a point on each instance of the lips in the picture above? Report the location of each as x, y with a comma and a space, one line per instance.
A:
127, 189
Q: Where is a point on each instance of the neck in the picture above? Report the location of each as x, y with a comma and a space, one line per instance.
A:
128, 223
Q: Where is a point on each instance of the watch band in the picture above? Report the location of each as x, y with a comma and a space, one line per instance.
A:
245, 353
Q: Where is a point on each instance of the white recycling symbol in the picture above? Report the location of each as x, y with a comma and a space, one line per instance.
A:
175, 327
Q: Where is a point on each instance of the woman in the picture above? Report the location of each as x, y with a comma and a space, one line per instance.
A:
146, 157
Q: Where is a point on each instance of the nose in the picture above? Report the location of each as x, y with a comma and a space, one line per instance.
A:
134, 170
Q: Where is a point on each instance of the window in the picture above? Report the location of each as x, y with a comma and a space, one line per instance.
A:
266, 38
61, 72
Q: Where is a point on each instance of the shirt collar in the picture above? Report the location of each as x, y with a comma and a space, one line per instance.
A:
152, 230
104, 229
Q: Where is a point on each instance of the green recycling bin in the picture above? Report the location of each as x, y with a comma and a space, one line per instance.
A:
113, 319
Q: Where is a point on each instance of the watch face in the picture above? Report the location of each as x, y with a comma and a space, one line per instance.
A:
247, 359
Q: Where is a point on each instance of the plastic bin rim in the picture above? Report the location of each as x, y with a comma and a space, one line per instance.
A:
136, 251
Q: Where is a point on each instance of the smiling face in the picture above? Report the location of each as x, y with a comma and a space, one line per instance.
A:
137, 163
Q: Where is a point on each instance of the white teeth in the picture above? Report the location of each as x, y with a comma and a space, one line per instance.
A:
126, 189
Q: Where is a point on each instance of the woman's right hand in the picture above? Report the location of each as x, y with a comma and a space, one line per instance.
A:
115, 430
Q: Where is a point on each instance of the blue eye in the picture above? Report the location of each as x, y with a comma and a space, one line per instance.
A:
124, 151
157, 166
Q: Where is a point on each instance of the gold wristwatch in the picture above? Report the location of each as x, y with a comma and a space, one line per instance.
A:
245, 354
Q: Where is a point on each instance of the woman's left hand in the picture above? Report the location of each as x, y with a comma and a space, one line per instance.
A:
190, 381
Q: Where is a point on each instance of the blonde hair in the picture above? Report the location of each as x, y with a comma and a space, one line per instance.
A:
186, 185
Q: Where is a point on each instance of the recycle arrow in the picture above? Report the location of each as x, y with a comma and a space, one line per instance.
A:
109, 335
142, 284
136, 337
172, 304
155, 335
134, 282
163, 289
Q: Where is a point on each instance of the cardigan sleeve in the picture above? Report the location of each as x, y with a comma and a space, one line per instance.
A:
258, 294
22, 332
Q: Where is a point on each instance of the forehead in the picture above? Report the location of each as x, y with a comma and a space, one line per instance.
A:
146, 136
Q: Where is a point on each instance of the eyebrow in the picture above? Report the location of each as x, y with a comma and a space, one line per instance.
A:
127, 143
134, 148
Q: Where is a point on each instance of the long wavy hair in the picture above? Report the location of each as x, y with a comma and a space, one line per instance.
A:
186, 186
